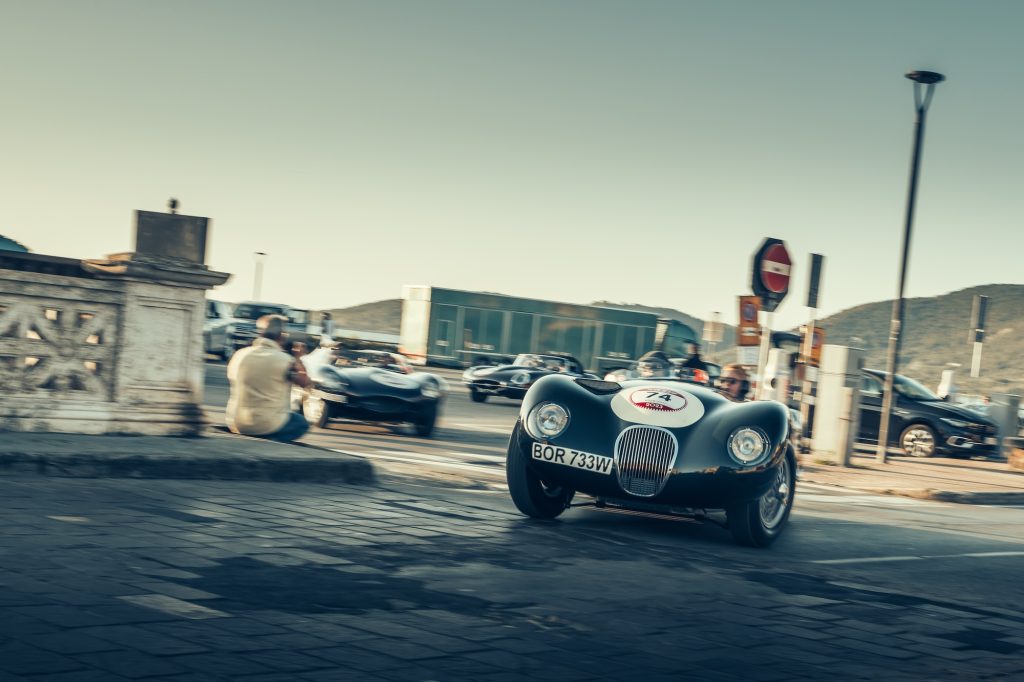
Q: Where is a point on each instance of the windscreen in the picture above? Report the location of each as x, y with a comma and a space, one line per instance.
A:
248, 311
911, 389
550, 362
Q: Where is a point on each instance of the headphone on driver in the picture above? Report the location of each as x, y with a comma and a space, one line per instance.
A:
744, 383
744, 388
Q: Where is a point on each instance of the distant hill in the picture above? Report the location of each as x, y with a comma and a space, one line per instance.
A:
935, 333
380, 316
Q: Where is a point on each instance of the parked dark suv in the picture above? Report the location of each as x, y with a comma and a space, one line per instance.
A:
921, 424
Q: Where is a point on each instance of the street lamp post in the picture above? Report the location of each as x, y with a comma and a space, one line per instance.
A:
924, 86
257, 277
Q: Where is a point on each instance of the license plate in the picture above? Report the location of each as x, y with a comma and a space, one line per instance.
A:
991, 441
576, 459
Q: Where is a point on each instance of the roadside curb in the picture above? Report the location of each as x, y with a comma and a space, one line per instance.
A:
930, 494
308, 464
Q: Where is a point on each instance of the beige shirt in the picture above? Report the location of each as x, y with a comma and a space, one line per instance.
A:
260, 390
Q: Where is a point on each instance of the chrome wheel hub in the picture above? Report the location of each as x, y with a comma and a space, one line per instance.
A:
776, 501
918, 443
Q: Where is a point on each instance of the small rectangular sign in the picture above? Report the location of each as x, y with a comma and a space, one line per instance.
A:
978, 310
748, 332
171, 235
747, 355
817, 341
817, 260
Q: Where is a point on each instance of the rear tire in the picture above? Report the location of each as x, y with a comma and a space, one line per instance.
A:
476, 396
760, 522
529, 493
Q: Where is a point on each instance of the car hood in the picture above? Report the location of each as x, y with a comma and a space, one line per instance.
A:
956, 411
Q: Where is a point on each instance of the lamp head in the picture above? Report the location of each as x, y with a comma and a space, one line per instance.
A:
926, 77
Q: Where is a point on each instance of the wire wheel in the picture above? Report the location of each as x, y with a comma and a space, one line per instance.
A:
775, 503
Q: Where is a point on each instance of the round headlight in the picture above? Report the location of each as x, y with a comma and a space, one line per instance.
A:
547, 420
520, 378
748, 445
430, 391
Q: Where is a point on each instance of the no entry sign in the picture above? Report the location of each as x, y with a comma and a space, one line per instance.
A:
770, 273
775, 269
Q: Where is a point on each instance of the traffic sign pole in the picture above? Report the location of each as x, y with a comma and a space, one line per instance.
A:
769, 278
806, 399
762, 356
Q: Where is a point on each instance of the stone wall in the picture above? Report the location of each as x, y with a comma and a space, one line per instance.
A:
102, 347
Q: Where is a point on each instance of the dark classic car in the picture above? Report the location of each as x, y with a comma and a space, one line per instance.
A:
217, 329
369, 386
656, 445
513, 381
922, 424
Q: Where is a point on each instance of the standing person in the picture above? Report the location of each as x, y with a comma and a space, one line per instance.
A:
261, 378
695, 361
734, 382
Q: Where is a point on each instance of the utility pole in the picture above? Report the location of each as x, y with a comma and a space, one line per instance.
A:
257, 278
923, 81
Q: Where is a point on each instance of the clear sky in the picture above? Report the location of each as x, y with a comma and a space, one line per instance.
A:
575, 150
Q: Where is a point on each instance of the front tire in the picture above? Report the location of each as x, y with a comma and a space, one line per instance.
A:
476, 396
228, 349
316, 411
530, 494
918, 440
425, 424
760, 522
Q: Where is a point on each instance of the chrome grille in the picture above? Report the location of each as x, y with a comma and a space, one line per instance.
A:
644, 456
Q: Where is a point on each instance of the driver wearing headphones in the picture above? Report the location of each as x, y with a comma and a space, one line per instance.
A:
734, 382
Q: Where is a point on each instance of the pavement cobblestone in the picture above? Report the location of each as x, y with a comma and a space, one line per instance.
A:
400, 617
227, 580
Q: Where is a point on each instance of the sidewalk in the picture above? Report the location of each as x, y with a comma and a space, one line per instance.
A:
218, 456
966, 481
221, 456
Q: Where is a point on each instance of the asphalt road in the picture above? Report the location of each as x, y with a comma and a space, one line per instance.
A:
940, 544
195, 581
430, 576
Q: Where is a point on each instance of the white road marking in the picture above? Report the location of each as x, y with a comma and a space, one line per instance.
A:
398, 456
488, 428
867, 560
864, 500
880, 559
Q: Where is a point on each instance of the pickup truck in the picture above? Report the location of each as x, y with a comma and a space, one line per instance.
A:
300, 324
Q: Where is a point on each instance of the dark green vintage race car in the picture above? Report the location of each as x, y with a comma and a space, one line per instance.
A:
657, 445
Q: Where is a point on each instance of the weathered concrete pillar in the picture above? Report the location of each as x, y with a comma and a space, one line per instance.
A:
109, 345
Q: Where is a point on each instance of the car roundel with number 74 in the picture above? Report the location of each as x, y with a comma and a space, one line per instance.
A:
658, 445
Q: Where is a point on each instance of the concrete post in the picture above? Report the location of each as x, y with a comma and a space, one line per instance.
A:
109, 346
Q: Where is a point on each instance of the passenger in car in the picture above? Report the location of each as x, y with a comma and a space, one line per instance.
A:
734, 382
